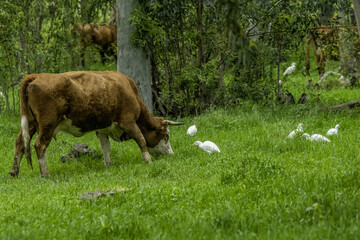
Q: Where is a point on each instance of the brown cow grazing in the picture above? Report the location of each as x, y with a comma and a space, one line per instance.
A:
101, 35
80, 102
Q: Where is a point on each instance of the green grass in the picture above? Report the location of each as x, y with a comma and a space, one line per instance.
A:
261, 186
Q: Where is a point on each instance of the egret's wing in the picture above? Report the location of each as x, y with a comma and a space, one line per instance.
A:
191, 131
210, 146
292, 134
331, 131
289, 70
319, 137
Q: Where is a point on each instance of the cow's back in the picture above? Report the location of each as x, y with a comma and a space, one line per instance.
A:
83, 84
92, 100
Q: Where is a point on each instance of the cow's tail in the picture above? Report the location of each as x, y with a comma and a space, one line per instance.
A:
26, 116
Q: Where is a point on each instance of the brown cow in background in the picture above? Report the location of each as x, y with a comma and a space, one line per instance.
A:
318, 38
102, 35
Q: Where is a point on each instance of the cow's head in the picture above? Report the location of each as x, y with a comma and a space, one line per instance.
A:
76, 29
157, 139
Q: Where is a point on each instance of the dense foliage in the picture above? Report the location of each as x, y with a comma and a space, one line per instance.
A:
213, 53
204, 53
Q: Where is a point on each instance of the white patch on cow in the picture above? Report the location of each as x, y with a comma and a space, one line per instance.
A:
113, 131
25, 131
42, 160
163, 147
42, 163
66, 126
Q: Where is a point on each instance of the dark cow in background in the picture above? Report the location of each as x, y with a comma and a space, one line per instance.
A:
80, 102
102, 35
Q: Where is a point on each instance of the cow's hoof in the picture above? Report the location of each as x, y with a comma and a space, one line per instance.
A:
14, 173
45, 173
146, 157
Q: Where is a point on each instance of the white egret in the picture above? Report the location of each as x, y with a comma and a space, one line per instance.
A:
299, 129
333, 131
342, 79
207, 146
315, 137
290, 69
192, 130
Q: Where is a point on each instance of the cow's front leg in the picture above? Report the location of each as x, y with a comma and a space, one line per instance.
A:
133, 130
105, 147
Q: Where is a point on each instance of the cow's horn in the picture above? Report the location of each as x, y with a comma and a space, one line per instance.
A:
174, 123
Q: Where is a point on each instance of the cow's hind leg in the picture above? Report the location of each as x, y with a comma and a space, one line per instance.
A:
133, 130
41, 144
19, 151
105, 147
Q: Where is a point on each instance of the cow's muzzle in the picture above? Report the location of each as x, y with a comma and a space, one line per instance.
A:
162, 148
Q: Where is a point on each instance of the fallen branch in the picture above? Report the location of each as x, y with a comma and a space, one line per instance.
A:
350, 105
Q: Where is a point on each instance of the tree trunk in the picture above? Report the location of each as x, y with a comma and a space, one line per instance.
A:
200, 28
6, 96
348, 61
356, 5
278, 71
307, 54
132, 61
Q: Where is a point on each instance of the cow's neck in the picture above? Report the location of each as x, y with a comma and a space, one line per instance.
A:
146, 120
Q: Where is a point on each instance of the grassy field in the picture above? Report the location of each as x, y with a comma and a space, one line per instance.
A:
261, 186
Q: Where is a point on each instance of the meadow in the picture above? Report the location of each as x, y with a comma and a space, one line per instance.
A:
261, 186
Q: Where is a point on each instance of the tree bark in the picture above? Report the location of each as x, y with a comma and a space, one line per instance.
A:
348, 62
200, 28
356, 5
132, 61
